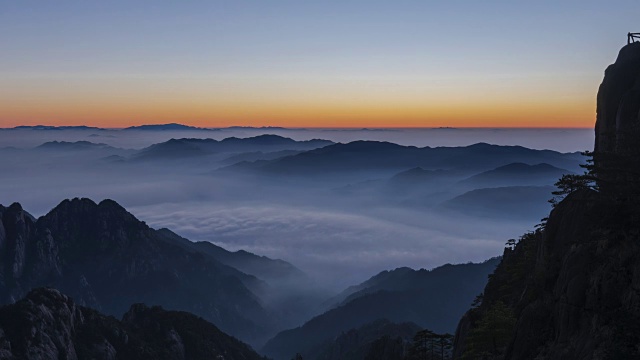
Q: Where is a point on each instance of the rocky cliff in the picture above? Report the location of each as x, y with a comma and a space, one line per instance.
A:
106, 259
571, 290
617, 150
49, 325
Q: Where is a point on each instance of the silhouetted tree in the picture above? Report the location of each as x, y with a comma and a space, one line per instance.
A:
543, 223
511, 244
569, 183
428, 345
422, 346
444, 343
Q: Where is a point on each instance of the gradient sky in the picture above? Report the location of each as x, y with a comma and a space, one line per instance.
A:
362, 63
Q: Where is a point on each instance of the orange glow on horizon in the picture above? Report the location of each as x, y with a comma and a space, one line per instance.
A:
116, 102
302, 116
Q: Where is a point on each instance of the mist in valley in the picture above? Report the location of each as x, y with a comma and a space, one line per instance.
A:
338, 225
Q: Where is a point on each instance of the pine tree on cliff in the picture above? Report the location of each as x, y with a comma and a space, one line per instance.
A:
569, 290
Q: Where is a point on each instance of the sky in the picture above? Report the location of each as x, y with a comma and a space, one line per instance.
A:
349, 63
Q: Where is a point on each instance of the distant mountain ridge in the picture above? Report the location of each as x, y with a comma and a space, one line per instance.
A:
363, 156
166, 127
71, 146
503, 202
518, 173
183, 148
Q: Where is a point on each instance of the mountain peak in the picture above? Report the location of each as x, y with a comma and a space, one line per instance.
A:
76, 203
95, 250
15, 207
617, 151
161, 127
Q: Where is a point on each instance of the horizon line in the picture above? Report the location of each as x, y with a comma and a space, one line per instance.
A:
195, 128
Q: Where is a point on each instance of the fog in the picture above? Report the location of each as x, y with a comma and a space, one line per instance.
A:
339, 229
564, 140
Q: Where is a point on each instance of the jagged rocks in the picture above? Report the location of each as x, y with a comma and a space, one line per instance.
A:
48, 325
105, 258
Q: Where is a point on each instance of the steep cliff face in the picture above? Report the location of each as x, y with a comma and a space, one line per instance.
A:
49, 325
617, 150
572, 290
26, 253
106, 259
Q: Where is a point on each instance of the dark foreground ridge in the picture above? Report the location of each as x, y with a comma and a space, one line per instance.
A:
106, 259
570, 290
49, 325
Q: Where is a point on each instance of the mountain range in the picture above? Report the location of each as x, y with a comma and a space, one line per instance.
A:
106, 259
367, 156
185, 148
432, 299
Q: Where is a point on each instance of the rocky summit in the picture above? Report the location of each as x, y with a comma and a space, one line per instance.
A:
106, 259
571, 289
49, 325
617, 150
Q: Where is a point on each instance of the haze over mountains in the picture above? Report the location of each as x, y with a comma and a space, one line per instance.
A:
106, 259
426, 298
564, 140
314, 203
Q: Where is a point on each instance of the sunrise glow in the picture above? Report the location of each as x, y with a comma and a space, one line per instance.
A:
213, 64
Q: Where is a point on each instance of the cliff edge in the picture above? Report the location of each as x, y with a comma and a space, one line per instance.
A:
571, 289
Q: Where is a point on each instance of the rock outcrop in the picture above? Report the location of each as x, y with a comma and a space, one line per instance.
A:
105, 258
617, 150
49, 325
571, 290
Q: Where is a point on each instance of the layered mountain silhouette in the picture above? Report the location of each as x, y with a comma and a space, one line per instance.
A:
260, 266
183, 148
516, 174
509, 202
49, 325
258, 155
516, 191
419, 177
431, 299
73, 146
106, 259
166, 127
369, 156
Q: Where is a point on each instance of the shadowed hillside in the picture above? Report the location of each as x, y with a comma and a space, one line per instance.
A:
569, 290
49, 325
106, 259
